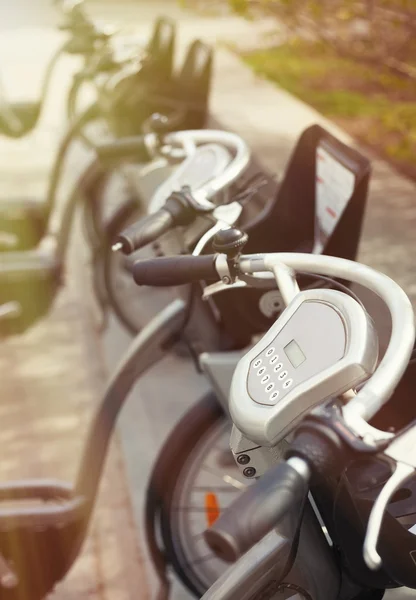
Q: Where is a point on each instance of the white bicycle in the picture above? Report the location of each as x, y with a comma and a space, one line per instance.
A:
331, 514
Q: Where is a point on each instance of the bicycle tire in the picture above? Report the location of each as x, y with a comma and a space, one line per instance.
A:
128, 211
179, 446
92, 219
130, 317
204, 417
98, 213
72, 111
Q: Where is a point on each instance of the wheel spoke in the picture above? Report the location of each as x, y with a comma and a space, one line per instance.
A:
211, 461
215, 488
201, 560
226, 478
190, 509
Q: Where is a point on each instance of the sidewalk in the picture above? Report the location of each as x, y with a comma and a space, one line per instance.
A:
51, 380
52, 377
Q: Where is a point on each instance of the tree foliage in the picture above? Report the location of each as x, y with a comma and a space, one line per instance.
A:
381, 32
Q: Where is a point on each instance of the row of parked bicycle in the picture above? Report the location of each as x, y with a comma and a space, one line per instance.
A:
298, 466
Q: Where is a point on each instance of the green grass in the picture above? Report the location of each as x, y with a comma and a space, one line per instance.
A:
376, 107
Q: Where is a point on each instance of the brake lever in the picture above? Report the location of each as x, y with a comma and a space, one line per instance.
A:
220, 286
403, 451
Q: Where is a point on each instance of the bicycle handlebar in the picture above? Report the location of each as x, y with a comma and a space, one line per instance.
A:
129, 147
174, 270
379, 388
144, 232
258, 510
183, 206
179, 209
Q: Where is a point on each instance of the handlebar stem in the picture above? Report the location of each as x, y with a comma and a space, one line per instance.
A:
286, 281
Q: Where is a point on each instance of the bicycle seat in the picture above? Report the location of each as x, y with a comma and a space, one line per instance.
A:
31, 279
161, 48
22, 223
192, 87
186, 94
128, 100
155, 89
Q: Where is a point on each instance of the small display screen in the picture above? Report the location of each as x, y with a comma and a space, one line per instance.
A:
294, 354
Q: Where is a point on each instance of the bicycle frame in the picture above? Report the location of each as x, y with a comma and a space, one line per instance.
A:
12, 126
219, 368
42, 568
145, 350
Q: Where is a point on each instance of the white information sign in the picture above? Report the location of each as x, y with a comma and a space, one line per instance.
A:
334, 188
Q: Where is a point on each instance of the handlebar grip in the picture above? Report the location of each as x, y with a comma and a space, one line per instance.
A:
129, 147
256, 512
174, 270
144, 231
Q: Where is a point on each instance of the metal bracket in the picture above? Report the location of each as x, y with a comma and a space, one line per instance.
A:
220, 286
225, 216
403, 451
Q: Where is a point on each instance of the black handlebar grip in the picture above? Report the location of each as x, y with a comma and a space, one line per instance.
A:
256, 512
174, 270
145, 231
129, 147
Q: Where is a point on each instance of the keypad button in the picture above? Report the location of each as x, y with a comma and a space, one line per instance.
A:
274, 396
261, 371
274, 359
282, 375
287, 383
270, 351
277, 368
265, 379
269, 387
257, 363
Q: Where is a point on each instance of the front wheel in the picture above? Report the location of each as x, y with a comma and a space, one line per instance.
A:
194, 479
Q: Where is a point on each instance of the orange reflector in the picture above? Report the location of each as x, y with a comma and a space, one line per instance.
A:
212, 508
